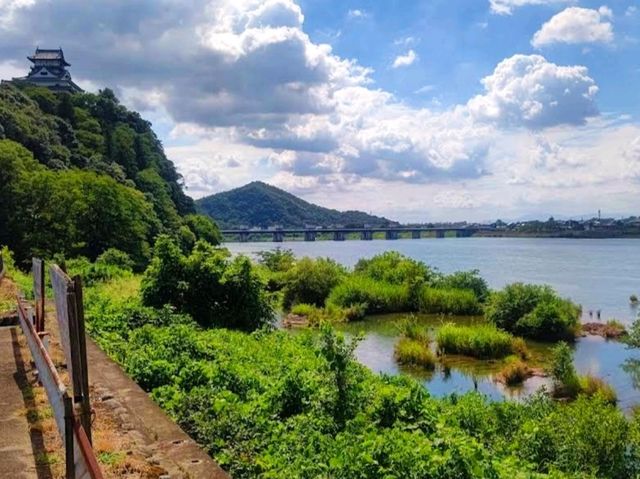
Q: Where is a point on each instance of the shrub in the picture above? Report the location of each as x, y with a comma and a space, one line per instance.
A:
479, 341
379, 297
514, 373
210, 286
414, 353
310, 281
533, 311
396, 268
633, 299
469, 280
457, 302
278, 260
565, 378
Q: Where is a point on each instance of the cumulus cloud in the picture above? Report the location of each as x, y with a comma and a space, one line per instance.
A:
405, 60
506, 7
252, 97
576, 25
528, 90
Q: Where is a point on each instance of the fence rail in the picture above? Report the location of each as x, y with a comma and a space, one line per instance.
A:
80, 458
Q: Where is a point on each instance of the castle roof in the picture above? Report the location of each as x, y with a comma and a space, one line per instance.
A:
46, 54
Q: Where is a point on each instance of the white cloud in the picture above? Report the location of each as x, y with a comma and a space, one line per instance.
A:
424, 89
506, 7
631, 11
527, 90
252, 97
357, 13
576, 25
405, 60
8, 8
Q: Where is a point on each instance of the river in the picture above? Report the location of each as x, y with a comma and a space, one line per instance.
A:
599, 274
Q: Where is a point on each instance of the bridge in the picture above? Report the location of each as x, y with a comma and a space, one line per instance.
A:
278, 235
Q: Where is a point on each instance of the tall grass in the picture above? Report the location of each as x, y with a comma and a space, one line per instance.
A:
378, 296
479, 341
414, 353
411, 329
459, 302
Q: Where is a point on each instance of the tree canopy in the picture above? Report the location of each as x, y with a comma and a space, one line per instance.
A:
81, 173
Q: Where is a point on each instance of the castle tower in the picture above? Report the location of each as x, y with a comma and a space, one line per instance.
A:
49, 70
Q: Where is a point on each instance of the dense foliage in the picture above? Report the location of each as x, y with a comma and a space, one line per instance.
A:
271, 404
208, 284
533, 311
80, 174
310, 281
260, 205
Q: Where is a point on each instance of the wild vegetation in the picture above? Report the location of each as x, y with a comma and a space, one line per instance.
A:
567, 382
272, 404
483, 341
80, 174
533, 311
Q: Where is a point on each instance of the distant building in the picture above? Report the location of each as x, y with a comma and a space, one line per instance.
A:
49, 70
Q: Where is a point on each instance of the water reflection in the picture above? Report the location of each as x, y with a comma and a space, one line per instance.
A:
612, 361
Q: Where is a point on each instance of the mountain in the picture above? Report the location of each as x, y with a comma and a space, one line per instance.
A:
80, 173
261, 205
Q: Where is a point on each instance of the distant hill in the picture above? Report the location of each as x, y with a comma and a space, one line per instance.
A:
261, 205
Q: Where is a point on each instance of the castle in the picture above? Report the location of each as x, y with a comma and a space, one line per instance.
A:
49, 70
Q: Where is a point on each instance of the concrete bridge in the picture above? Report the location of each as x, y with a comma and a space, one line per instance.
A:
278, 235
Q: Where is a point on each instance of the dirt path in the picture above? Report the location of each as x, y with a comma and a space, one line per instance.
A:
19, 445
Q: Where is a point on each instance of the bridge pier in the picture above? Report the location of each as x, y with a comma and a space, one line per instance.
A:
366, 235
278, 236
440, 233
244, 237
309, 235
391, 235
339, 236
416, 234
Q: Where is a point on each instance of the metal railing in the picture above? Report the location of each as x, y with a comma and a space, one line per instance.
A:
71, 411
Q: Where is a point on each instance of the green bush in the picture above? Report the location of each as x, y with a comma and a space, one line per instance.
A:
379, 297
533, 311
310, 281
396, 268
479, 341
565, 379
458, 302
208, 284
414, 353
469, 280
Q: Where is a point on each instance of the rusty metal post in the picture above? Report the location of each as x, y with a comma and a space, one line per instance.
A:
68, 438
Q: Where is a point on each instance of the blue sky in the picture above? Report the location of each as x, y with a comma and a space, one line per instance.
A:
420, 111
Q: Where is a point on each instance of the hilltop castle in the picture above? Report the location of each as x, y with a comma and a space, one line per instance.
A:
49, 70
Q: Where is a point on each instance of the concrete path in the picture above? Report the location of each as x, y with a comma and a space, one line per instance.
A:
18, 447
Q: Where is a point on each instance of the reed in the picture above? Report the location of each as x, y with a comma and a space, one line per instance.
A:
479, 341
414, 353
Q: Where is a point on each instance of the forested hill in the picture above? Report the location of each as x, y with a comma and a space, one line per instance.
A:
261, 205
80, 173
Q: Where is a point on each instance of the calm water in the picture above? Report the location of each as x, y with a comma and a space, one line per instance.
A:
598, 274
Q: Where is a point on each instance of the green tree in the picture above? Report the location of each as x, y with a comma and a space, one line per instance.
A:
208, 284
310, 281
